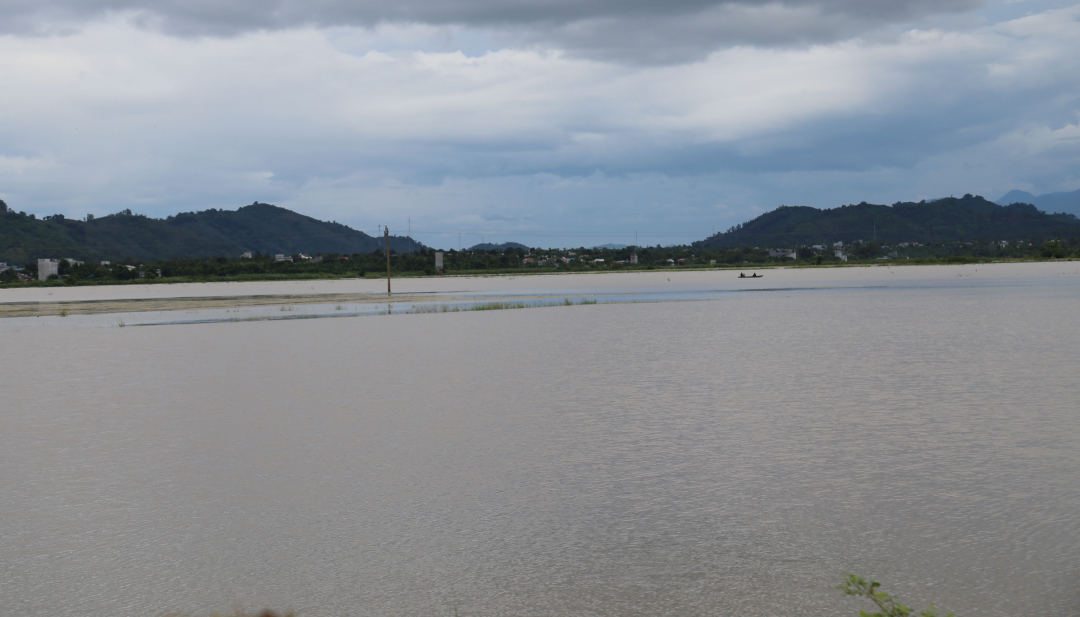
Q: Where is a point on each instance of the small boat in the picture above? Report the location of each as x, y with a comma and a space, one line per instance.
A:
755, 275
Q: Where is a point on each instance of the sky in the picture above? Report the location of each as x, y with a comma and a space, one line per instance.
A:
546, 122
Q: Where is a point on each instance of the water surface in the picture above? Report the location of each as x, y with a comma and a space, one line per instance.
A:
726, 456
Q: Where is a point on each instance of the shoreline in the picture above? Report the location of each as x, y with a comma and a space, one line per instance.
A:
198, 296
468, 274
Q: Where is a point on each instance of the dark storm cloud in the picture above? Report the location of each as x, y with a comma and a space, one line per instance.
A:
646, 30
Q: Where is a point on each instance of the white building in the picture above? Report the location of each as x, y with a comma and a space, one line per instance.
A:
841, 255
47, 268
282, 257
782, 253
245, 255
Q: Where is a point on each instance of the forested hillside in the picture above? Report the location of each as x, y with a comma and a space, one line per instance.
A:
967, 218
257, 228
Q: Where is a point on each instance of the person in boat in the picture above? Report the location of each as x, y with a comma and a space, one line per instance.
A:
742, 275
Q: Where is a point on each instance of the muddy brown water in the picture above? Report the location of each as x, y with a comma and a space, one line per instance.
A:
731, 456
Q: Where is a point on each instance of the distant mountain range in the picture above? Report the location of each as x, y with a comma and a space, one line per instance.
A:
269, 229
1050, 202
257, 228
964, 218
487, 246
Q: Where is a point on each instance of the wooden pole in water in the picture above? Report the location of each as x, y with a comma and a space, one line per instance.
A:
387, 231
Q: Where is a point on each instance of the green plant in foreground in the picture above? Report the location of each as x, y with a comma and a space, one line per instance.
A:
856, 585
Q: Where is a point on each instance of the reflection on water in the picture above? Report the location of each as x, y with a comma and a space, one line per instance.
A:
720, 457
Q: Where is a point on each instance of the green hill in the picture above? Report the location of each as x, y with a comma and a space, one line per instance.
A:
257, 228
952, 219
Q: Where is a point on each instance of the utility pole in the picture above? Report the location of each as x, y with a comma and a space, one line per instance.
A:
387, 229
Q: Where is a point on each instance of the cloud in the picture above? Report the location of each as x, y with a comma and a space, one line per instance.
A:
358, 124
620, 30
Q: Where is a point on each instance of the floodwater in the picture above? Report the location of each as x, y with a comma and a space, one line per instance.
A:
694, 444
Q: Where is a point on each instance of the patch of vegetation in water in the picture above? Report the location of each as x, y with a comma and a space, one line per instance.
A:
495, 306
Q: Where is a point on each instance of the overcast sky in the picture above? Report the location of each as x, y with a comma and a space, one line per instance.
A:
548, 122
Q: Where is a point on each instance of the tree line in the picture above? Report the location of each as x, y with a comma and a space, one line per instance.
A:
522, 261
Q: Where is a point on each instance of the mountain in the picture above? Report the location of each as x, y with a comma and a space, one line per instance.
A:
258, 228
1068, 203
1016, 197
487, 246
23, 238
945, 220
270, 229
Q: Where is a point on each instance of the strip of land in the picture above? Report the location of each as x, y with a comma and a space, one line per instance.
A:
139, 305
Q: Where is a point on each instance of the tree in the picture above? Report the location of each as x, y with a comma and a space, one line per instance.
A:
857, 586
1053, 250
866, 250
3, 206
